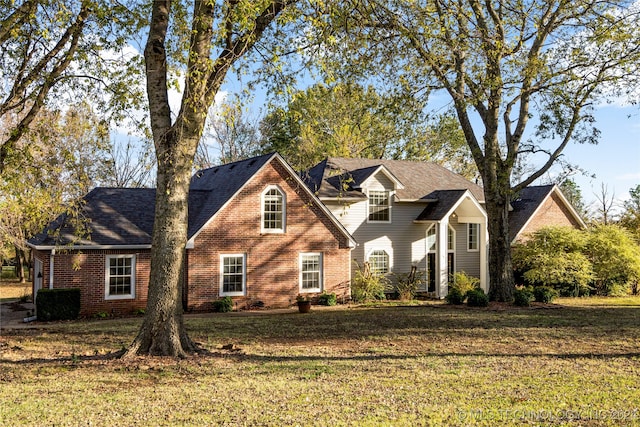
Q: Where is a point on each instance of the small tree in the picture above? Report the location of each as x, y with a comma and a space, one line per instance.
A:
553, 256
615, 257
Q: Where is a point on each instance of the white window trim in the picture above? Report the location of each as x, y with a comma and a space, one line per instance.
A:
477, 236
283, 229
107, 275
390, 205
389, 258
222, 293
321, 278
453, 240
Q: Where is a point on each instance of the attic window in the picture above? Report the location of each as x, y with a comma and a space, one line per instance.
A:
273, 210
379, 206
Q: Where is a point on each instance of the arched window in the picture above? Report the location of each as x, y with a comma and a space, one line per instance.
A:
379, 262
273, 210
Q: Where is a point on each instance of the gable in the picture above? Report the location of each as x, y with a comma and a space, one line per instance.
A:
541, 206
239, 221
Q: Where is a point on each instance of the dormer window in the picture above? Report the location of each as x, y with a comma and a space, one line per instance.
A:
379, 206
273, 210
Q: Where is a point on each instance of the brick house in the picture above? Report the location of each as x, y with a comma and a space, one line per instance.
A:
540, 206
255, 233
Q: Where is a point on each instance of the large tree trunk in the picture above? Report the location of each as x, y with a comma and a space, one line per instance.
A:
163, 332
497, 202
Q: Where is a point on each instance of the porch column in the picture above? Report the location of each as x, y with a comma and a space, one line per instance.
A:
442, 274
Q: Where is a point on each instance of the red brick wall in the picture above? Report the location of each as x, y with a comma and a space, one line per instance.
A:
553, 212
272, 265
86, 270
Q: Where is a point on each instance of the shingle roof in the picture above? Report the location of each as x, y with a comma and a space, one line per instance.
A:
125, 216
115, 216
524, 205
339, 177
436, 210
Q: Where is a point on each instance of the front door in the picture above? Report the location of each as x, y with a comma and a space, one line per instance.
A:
431, 272
37, 277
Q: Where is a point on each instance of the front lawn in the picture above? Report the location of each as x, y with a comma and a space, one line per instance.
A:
430, 364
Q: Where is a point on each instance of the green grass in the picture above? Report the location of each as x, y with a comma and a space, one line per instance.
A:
417, 365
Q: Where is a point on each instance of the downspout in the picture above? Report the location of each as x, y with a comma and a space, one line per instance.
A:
51, 265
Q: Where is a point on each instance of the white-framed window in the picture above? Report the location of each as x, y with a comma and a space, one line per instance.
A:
473, 237
311, 272
451, 239
233, 275
431, 239
120, 277
274, 210
379, 206
379, 262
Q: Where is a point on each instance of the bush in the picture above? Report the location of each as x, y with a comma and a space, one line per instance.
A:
223, 305
522, 297
406, 286
463, 282
58, 304
544, 294
327, 299
368, 287
455, 296
477, 298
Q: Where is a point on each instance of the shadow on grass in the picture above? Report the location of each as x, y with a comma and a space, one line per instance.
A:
241, 357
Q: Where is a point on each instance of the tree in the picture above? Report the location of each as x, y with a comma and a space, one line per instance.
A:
220, 35
56, 52
631, 215
573, 193
615, 257
129, 164
235, 135
554, 256
62, 157
506, 67
604, 205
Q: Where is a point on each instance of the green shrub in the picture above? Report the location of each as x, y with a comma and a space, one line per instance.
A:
477, 298
522, 297
58, 304
544, 294
463, 282
368, 287
454, 296
327, 299
223, 305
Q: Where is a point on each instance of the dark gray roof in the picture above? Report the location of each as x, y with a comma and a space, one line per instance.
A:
211, 188
436, 210
124, 216
112, 216
338, 177
524, 205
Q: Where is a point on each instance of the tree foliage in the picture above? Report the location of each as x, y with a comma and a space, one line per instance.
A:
604, 259
63, 156
615, 258
554, 256
631, 214
55, 52
522, 78
354, 121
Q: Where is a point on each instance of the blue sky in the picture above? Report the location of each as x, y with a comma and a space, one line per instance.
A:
616, 159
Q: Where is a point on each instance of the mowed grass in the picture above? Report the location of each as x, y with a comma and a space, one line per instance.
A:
431, 364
